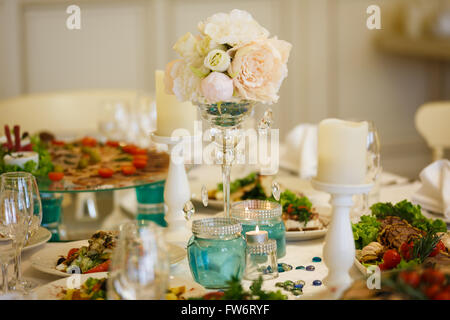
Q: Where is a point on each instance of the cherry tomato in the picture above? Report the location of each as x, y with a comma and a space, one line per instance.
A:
439, 247
58, 143
105, 172
411, 278
443, 295
100, 268
214, 295
432, 276
383, 267
406, 250
432, 290
391, 258
72, 252
55, 176
140, 151
89, 142
140, 164
140, 157
128, 170
289, 208
129, 148
113, 144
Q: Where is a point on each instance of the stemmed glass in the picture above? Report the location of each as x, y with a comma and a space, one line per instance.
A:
373, 162
20, 216
140, 265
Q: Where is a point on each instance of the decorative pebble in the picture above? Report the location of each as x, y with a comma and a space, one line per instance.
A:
300, 267
296, 292
288, 283
310, 268
300, 282
317, 283
280, 269
316, 259
298, 286
279, 284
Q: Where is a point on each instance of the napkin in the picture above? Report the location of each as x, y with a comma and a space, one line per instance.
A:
301, 149
434, 194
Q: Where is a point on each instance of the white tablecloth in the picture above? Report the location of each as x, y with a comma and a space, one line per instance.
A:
298, 253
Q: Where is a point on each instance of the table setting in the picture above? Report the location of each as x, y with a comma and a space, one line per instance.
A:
193, 215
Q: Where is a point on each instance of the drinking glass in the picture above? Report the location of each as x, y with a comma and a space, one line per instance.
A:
6, 255
115, 121
373, 162
140, 265
19, 200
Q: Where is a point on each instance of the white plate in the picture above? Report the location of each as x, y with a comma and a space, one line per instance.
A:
41, 236
45, 260
53, 290
305, 235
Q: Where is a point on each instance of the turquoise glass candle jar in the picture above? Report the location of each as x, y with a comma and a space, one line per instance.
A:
216, 251
264, 214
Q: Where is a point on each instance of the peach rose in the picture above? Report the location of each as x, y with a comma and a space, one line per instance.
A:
259, 68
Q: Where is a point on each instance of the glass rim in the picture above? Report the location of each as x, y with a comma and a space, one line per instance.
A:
16, 174
256, 209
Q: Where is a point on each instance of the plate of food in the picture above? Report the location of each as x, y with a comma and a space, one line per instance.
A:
399, 236
94, 287
41, 236
83, 164
420, 283
87, 256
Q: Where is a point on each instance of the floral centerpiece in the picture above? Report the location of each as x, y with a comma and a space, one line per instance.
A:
231, 60
227, 68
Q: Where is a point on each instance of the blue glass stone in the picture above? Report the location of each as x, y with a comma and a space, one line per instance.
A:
280, 264
298, 286
317, 283
316, 259
310, 268
300, 282
280, 269
300, 267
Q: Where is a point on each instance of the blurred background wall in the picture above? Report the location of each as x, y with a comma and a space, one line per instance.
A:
335, 67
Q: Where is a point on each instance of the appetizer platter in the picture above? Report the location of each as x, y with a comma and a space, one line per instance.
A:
93, 287
414, 284
87, 256
399, 236
81, 164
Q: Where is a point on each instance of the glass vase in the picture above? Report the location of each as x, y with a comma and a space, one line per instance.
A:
226, 119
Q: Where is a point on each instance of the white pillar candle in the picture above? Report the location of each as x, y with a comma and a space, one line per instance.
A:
172, 114
342, 151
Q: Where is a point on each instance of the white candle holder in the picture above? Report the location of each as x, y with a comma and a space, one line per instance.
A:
339, 248
176, 188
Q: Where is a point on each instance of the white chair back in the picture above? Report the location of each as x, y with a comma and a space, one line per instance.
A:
433, 123
71, 111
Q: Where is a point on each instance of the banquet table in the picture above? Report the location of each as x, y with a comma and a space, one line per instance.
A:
298, 253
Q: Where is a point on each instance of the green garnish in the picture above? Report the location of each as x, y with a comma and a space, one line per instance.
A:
424, 246
295, 205
365, 231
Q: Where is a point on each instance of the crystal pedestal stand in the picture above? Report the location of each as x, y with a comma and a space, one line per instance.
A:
176, 190
339, 248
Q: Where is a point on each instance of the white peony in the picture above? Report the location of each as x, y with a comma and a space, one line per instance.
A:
217, 60
234, 29
186, 85
206, 44
186, 47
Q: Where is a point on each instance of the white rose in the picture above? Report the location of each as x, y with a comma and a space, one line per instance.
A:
217, 60
186, 85
236, 28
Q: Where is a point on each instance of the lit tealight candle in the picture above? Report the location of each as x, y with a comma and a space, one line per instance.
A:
257, 236
342, 151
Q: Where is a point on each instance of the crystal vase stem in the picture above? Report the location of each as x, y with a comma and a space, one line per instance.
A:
226, 170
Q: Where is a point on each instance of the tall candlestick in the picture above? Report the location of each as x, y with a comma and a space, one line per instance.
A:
342, 151
172, 114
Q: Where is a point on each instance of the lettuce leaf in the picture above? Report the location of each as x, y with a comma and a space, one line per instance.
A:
365, 231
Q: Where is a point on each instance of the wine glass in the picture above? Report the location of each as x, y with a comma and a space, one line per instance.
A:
115, 120
140, 265
373, 162
6, 255
19, 200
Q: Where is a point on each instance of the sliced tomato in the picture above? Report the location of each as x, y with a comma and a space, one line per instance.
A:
72, 252
140, 157
140, 164
129, 148
103, 267
140, 151
58, 143
55, 176
439, 247
89, 142
113, 144
391, 258
128, 170
105, 172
